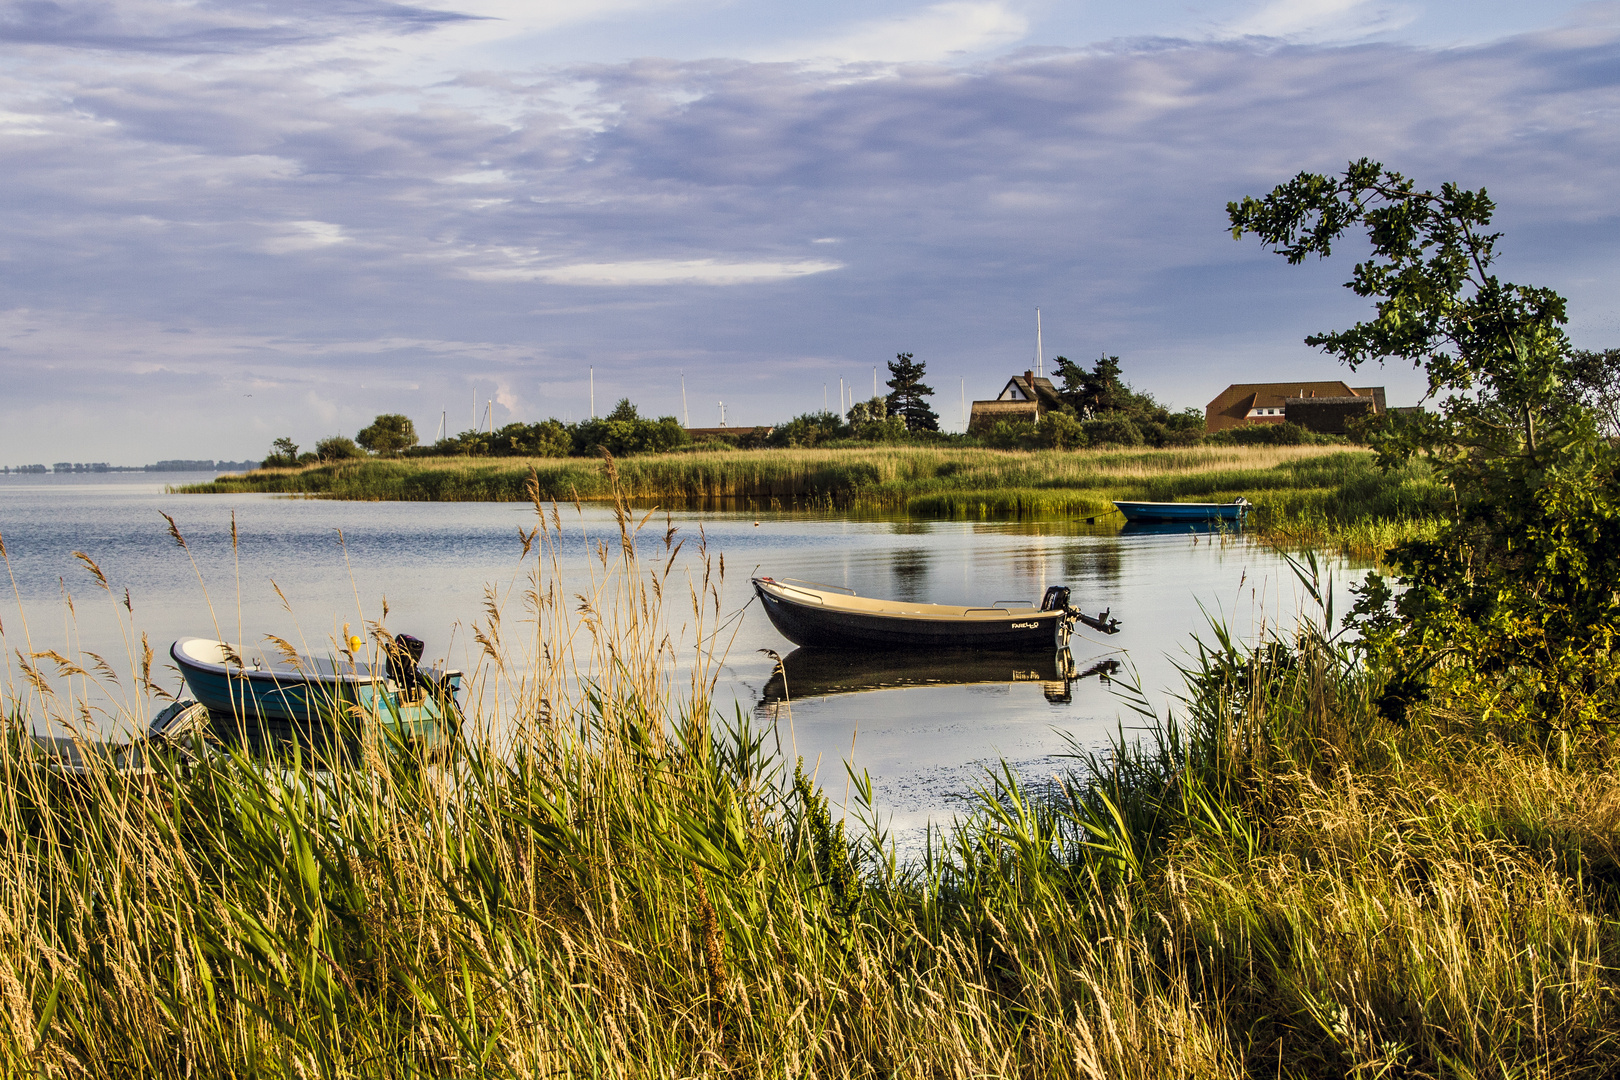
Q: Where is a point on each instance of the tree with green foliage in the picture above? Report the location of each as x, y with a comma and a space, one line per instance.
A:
389, 434
1522, 584
337, 448
624, 431
908, 394
810, 429
283, 454
871, 421
1116, 413
1595, 384
1094, 392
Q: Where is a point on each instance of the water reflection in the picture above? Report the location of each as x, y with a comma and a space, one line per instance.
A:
1091, 564
1179, 528
813, 673
910, 569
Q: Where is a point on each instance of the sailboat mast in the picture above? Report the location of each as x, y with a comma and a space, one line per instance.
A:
1039, 357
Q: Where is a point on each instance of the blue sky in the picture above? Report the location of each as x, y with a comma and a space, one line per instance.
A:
226, 222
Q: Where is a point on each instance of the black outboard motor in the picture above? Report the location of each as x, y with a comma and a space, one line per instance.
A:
403, 657
1056, 598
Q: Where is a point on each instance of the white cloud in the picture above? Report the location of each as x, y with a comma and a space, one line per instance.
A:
938, 32
305, 236
1323, 20
660, 272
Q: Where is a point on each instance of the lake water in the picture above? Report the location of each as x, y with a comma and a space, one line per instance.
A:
926, 732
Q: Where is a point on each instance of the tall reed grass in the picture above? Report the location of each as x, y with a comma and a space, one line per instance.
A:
1317, 496
1275, 882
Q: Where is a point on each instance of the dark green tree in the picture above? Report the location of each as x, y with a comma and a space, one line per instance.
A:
1523, 583
283, 454
1595, 384
908, 394
389, 434
624, 431
1097, 391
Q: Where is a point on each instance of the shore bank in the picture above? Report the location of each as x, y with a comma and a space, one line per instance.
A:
1306, 495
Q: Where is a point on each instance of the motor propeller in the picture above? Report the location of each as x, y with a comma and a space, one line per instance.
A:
1103, 624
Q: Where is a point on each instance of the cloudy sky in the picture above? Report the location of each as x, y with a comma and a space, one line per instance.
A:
229, 220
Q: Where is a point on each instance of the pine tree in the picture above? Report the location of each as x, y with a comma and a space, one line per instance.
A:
908, 396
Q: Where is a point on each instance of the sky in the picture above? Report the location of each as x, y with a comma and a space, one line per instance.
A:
225, 222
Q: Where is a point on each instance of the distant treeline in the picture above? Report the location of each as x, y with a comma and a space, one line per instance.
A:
1095, 409
178, 465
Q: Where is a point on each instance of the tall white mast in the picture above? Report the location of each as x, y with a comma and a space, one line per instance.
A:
686, 414
593, 391
840, 395
1039, 358
874, 382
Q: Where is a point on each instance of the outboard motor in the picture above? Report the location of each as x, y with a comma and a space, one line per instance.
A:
403, 657
1056, 598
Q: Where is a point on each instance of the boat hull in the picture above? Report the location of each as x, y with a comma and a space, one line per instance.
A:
810, 673
286, 703
808, 623
1182, 512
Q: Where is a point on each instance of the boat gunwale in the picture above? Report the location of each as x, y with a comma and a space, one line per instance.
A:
913, 612
279, 675
1240, 504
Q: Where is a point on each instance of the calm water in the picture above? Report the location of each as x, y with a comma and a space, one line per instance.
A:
925, 731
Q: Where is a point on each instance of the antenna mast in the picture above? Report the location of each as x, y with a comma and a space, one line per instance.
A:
593, 391
686, 414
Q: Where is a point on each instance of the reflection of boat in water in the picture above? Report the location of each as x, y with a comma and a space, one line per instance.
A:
297, 695
810, 672
1177, 528
1184, 511
831, 616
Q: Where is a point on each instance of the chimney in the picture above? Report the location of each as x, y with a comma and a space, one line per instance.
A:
1029, 377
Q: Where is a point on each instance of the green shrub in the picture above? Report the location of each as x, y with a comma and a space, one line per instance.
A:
624, 432
1060, 431
337, 448
1283, 434
1112, 429
810, 430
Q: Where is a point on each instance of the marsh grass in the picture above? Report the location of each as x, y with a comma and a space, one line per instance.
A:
1275, 881
1307, 495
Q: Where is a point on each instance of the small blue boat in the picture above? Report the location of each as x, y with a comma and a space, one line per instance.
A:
306, 694
1184, 511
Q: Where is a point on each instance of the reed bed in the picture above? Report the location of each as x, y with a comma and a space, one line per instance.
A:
1310, 495
610, 880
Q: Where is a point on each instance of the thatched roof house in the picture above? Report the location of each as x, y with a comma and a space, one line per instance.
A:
1025, 398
